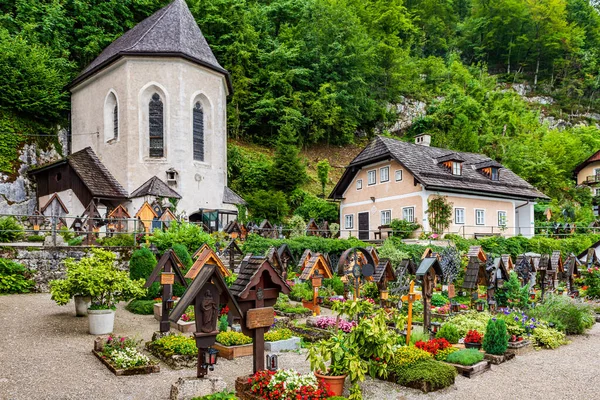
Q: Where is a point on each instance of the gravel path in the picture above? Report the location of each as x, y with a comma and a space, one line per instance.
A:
45, 353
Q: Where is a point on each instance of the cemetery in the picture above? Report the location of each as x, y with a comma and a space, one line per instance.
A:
357, 323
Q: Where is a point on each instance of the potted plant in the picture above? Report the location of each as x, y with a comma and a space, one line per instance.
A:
473, 340
97, 276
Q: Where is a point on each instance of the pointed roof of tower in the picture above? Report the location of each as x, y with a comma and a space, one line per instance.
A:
170, 32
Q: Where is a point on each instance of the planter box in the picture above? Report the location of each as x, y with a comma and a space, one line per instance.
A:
231, 352
518, 348
290, 344
181, 325
310, 334
311, 307
496, 360
149, 369
472, 370
176, 361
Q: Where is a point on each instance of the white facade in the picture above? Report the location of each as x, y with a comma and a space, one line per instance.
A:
129, 84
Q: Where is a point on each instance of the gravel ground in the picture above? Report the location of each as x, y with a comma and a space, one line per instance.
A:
45, 353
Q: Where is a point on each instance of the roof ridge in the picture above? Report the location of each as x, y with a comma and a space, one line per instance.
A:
166, 10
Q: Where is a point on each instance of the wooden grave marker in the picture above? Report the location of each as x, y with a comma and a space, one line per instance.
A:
428, 270
411, 297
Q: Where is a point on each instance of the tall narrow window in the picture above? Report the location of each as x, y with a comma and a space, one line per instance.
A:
116, 122
198, 132
156, 127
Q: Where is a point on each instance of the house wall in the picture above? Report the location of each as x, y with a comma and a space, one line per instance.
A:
180, 84
588, 170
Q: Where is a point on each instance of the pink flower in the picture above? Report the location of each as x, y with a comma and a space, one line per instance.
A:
122, 339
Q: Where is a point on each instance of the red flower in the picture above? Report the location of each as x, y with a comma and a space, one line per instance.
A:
473, 337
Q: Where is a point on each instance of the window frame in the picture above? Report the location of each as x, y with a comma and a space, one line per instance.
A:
359, 184
396, 175
412, 220
497, 176
389, 211
351, 218
477, 219
199, 141
374, 171
387, 169
596, 192
456, 166
464, 216
151, 137
505, 218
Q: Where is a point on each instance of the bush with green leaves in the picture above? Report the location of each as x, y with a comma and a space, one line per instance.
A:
232, 338
96, 276
14, 278
118, 240
301, 291
370, 290
141, 265
548, 337
141, 307
223, 323
408, 355
435, 373
268, 204
319, 209
10, 230
275, 335
512, 294
439, 300
174, 345
449, 332
442, 355
335, 283
389, 251
403, 229
574, 317
36, 238
470, 321
187, 234
495, 340
223, 395
465, 357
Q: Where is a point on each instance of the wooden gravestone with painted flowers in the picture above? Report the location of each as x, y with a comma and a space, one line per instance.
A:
205, 293
256, 290
167, 272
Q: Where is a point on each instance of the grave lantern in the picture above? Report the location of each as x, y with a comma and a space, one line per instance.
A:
455, 307
272, 362
435, 327
210, 359
480, 306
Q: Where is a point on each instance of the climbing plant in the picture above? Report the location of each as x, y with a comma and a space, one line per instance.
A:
440, 213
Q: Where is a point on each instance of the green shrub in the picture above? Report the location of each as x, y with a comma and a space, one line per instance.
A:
66, 233
438, 374
14, 278
301, 291
402, 228
512, 294
223, 395
336, 284
465, 357
439, 300
189, 235
141, 307
565, 313
141, 265
470, 321
408, 355
370, 290
495, 340
448, 332
418, 336
10, 230
441, 355
278, 334
290, 309
119, 240
36, 238
223, 324
268, 204
174, 344
548, 337
232, 338
76, 241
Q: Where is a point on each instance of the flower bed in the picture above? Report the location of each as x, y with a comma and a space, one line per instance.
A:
287, 384
433, 346
121, 356
177, 351
329, 323
233, 345
281, 340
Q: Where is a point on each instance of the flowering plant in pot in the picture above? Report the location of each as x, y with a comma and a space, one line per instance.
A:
473, 340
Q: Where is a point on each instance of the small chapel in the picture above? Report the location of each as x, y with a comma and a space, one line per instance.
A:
148, 126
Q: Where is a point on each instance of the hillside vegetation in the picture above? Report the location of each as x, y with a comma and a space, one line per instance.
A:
311, 72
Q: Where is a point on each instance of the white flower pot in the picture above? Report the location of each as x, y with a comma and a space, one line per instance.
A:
81, 305
101, 321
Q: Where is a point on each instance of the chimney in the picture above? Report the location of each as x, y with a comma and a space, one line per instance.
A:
423, 140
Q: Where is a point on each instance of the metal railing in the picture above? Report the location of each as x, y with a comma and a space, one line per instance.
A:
592, 178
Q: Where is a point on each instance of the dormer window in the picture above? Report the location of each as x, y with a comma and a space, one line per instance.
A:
495, 173
456, 168
489, 169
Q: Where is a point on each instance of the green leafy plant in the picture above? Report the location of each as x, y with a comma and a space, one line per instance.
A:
14, 278
435, 373
36, 238
465, 357
141, 265
439, 300
173, 345
223, 324
574, 318
10, 230
189, 235
141, 307
408, 355
118, 240
548, 337
470, 321
223, 395
301, 291
449, 332
278, 334
336, 284
495, 340
441, 355
403, 229
232, 338
96, 276
512, 294
440, 212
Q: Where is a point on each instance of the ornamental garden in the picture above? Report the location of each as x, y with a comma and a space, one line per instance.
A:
417, 316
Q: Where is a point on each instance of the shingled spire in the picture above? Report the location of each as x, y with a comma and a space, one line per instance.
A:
170, 32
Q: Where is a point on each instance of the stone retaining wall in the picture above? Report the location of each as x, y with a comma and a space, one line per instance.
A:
46, 263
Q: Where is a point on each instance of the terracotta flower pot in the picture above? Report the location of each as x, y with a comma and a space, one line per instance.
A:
336, 383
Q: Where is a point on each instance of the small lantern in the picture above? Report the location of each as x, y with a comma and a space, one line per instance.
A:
492, 306
480, 306
320, 300
170, 304
455, 307
272, 362
435, 327
532, 294
384, 294
210, 358
77, 225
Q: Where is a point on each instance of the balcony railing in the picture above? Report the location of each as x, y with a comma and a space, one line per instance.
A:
592, 178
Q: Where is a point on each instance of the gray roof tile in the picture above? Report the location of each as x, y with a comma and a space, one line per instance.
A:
155, 187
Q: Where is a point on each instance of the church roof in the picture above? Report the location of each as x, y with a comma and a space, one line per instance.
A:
155, 187
171, 31
231, 197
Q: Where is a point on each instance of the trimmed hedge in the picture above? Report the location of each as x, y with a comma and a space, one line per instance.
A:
435, 373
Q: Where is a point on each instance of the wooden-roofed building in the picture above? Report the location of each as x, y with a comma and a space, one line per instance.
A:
267, 229
118, 219
508, 262
286, 256
304, 259
312, 228
591, 255
476, 274
316, 265
571, 267
556, 266
207, 256
373, 251
235, 230
232, 255
251, 270
200, 250
408, 265
275, 261
428, 270
384, 273
478, 252
325, 230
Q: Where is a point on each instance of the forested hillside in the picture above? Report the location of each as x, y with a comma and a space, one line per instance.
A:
324, 71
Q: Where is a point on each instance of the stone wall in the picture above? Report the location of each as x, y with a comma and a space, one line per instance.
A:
46, 263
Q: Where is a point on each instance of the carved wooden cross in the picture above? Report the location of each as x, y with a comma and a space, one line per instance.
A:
411, 297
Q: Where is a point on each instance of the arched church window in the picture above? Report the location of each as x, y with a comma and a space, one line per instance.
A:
198, 132
156, 129
111, 118
116, 122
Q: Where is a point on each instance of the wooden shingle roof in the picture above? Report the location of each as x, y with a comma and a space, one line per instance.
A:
429, 263
231, 197
207, 256
250, 270
477, 251
474, 273
384, 268
508, 262
319, 263
304, 259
